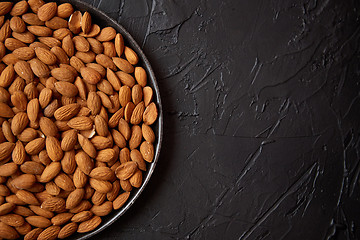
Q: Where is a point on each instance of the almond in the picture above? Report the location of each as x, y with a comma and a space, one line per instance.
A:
27, 135
83, 206
124, 129
106, 34
79, 178
94, 102
50, 233
81, 123
7, 76
27, 197
140, 76
136, 94
47, 11
6, 208
66, 89
90, 75
24, 53
54, 204
102, 173
19, 154
64, 182
45, 97
136, 156
126, 170
137, 114
32, 19
61, 218
6, 231
53, 148
89, 225
126, 78
82, 216
109, 49
123, 65
120, 200
56, 23
84, 162
33, 108
33, 234
40, 31
69, 140
114, 191
32, 167
49, 111
101, 142
50, 42
65, 10
86, 22
6, 130
35, 146
19, 123
103, 209
105, 61
19, 100
19, 8
68, 46
118, 138
119, 44
46, 56
129, 108
67, 230
52, 188
25, 37
39, 68
81, 44
95, 45
150, 114
100, 185
50, 172
75, 198
63, 74
13, 44
101, 126
69, 111
131, 56
23, 181
87, 146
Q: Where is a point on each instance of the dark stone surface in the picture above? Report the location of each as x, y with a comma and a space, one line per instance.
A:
261, 119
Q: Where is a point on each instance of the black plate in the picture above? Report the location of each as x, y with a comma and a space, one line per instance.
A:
103, 20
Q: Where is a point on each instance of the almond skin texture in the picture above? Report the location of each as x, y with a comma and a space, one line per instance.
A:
47, 11
53, 148
19, 123
90, 75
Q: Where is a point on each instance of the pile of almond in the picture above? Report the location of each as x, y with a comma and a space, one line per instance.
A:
76, 116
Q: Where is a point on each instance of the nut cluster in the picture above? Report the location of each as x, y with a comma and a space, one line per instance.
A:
76, 116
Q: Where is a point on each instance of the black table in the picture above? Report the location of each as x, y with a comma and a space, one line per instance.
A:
261, 107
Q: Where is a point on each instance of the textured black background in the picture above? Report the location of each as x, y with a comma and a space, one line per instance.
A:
262, 107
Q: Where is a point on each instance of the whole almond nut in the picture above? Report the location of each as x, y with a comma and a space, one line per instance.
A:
32, 19
52, 188
50, 172
45, 97
6, 231
19, 123
49, 233
140, 76
6, 208
106, 34
13, 44
27, 197
40, 31
7, 76
124, 129
102, 173
53, 148
5, 7
94, 102
54, 204
120, 200
137, 114
48, 127
100, 185
25, 37
137, 157
126, 78
118, 138
61, 218
87, 146
23, 181
101, 142
95, 46
90, 75
105, 61
19, 100
89, 225
124, 95
27, 135
19, 8
84, 162
56, 23
33, 234
47, 11
123, 65
82, 216
150, 114
50, 42
69, 140
68, 46
94, 31
19, 154
24, 53
103, 209
75, 198
41, 212
39, 68
65, 10
114, 191
38, 221
109, 49
136, 179
119, 44
131, 56
8, 134
66, 89
63, 74
33, 108
69, 111
64, 182
46, 56
136, 94
79, 178
61, 33
126, 170
68, 230
81, 44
